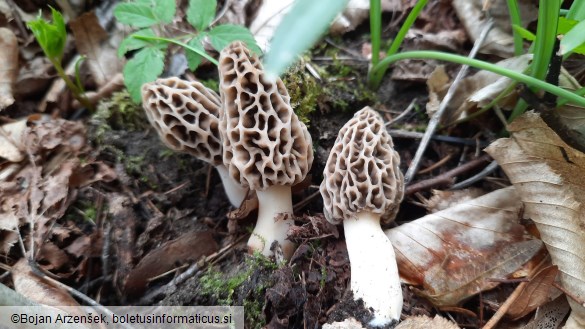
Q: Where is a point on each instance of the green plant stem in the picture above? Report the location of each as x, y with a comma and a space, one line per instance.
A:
77, 93
375, 29
530, 81
546, 36
182, 44
516, 20
577, 11
375, 78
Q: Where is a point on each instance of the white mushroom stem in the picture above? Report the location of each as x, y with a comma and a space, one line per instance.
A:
374, 273
234, 191
272, 201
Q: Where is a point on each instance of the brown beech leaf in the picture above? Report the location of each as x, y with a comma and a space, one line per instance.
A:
187, 248
91, 40
8, 66
550, 178
536, 293
37, 288
499, 41
452, 253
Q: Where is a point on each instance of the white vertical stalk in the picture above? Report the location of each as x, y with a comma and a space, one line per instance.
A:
234, 191
271, 202
374, 273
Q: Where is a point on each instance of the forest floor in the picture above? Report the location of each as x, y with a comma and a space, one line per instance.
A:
119, 215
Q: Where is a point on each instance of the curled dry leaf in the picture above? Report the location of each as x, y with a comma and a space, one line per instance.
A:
536, 293
11, 143
550, 178
8, 66
37, 288
453, 252
499, 41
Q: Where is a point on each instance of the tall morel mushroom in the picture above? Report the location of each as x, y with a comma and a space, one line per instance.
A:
265, 146
363, 185
186, 115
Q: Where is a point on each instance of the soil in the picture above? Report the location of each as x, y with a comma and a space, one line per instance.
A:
166, 199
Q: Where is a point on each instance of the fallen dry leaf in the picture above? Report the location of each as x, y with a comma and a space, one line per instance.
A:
499, 41
189, 247
8, 66
452, 253
536, 293
91, 40
423, 321
11, 141
269, 16
550, 178
38, 192
441, 200
38, 289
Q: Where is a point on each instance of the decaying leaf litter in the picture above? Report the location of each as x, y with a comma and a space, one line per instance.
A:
95, 199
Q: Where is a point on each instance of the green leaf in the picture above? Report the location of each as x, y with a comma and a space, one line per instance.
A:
524, 33
132, 43
223, 35
135, 14
299, 30
50, 36
573, 39
565, 25
193, 58
165, 10
201, 13
144, 67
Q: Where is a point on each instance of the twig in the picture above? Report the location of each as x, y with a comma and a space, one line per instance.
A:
301, 204
35, 269
190, 272
404, 113
569, 294
449, 139
505, 307
436, 164
436, 118
224, 10
476, 178
446, 178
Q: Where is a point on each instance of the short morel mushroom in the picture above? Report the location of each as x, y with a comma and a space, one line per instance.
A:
186, 116
265, 146
363, 185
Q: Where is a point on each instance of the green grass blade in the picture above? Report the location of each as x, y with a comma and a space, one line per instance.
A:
517, 21
375, 79
577, 11
523, 78
375, 29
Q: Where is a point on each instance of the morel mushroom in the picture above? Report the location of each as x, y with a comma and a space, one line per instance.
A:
363, 185
186, 115
265, 146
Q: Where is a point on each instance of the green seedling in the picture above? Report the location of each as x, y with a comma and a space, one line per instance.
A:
151, 41
52, 37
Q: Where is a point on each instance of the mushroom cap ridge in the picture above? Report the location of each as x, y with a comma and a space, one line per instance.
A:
362, 172
264, 143
185, 115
